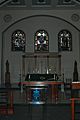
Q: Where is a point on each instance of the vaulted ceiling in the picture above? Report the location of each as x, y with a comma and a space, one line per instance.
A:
40, 4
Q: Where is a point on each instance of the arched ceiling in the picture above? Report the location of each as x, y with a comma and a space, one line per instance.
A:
40, 4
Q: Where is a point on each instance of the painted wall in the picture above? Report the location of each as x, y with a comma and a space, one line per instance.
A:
30, 21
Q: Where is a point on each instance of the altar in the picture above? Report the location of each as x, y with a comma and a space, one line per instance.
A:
37, 63
41, 76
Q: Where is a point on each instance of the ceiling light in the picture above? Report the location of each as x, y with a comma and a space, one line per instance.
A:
77, 1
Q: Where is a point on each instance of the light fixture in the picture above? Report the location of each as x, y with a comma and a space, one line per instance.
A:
41, 1
67, 1
77, 1
4, 2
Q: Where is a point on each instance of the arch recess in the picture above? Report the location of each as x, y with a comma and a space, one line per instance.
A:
29, 17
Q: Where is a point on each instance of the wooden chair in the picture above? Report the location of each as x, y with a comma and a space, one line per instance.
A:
6, 102
73, 111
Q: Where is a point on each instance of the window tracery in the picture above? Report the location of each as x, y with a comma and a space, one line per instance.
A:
18, 41
64, 41
41, 41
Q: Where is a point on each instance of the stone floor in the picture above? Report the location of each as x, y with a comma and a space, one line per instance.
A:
40, 112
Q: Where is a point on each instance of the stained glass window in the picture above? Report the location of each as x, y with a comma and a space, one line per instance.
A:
41, 41
64, 41
18, 41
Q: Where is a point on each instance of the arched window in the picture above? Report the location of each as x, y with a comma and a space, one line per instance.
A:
64, 41
41, 41
18, 41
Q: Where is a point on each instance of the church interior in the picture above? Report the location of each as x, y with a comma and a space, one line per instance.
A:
40, 59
